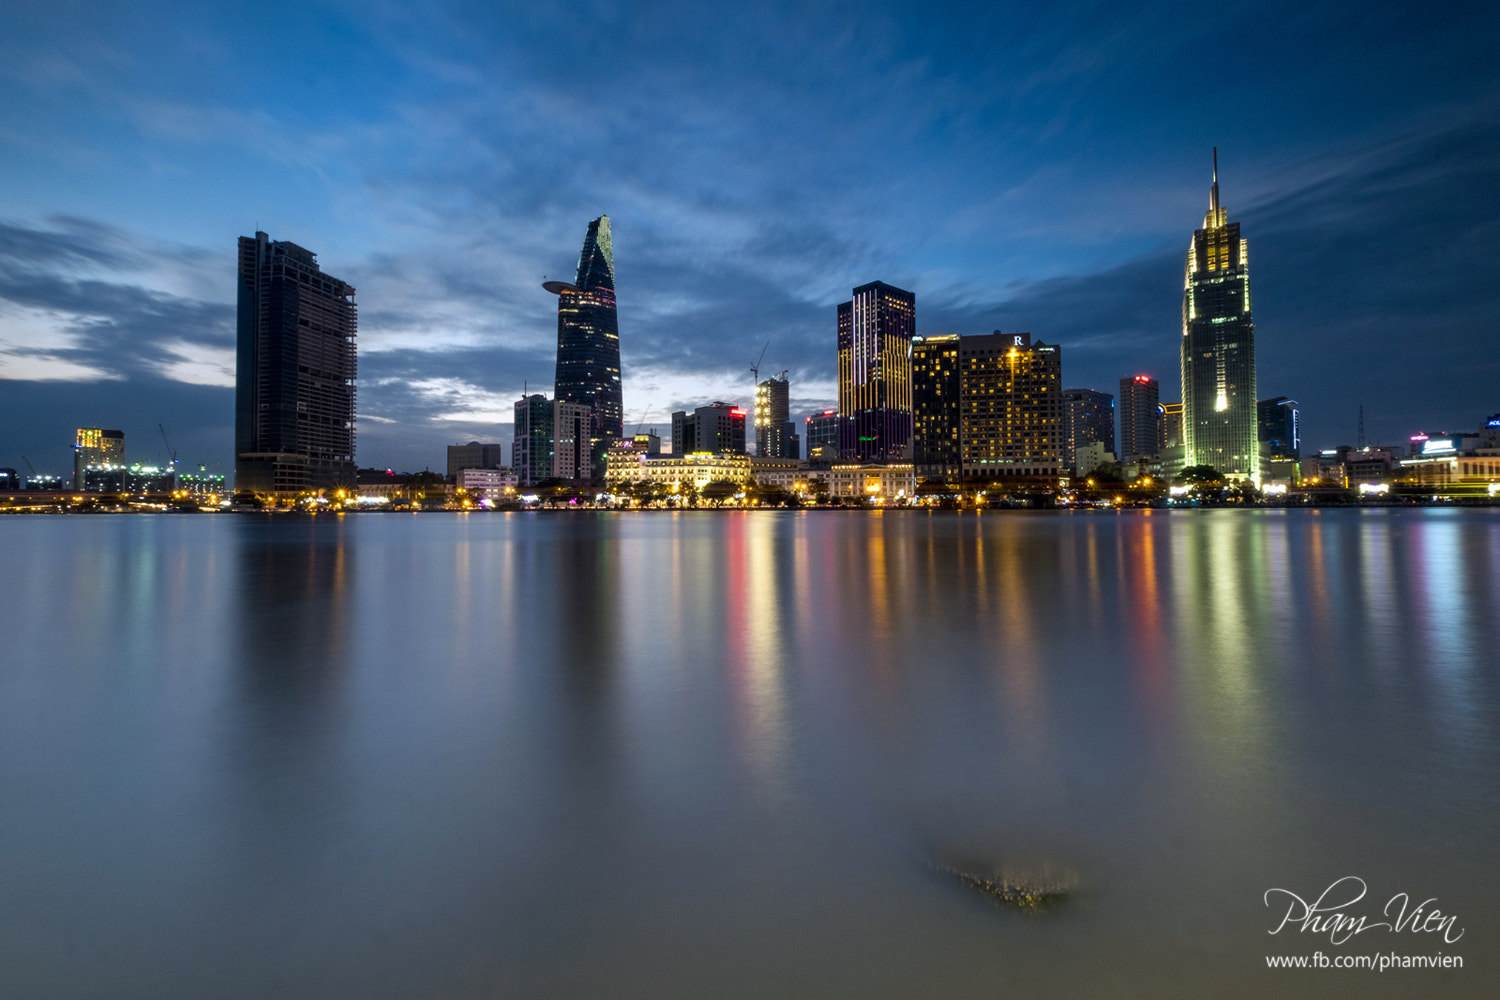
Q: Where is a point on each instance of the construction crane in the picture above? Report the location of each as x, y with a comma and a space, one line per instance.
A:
646, 413
782, 374
29, 465
168, 444
755, 368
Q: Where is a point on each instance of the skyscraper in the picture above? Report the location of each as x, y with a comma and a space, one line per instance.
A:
934, 404
1140, 418
1088, 417
1218, 347
774, 431
588, 341
875, 331
294, 372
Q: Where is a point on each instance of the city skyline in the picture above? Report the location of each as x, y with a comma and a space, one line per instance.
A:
126, 177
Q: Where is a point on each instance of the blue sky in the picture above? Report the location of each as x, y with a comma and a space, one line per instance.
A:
1022, 167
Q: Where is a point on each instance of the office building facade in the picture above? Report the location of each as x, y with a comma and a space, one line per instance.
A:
716, 429
1140, 418
588, 342
875, 330
474, 456
822, 437
1219, 422
935, 406
531, 448
1276, 419
294, 372
1088, 418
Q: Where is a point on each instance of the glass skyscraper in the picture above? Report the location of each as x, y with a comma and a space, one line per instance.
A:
294, 372
1218, 348
875, 331
588, 341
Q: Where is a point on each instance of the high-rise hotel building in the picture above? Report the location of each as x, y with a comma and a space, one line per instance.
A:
1011, 410
1218, 348
987, 407
294, 372
588, 341
875, 333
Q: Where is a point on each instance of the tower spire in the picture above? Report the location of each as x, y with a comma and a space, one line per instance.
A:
1213, 192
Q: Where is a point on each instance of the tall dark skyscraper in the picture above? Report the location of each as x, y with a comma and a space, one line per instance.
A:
875, 331
588, 340
1140, 418
1218, 348
1088, 417
295, 371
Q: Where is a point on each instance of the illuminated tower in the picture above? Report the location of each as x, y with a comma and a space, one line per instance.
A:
588, 340
875, 332
935, 405
773, 427
1218, 348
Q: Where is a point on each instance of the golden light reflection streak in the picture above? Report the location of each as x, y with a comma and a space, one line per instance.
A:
1236, 692
1150, 645
1013, 636
1317, 573
760, 708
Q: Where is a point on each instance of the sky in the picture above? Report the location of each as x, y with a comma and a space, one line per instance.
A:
1031, 167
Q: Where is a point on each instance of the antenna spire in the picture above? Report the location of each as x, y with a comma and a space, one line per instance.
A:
1213, 193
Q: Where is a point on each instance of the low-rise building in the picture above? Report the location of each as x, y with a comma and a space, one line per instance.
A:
786, 473
874, 482
491, 484
629, 465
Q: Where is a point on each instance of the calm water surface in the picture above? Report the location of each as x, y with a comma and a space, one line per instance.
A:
711, 755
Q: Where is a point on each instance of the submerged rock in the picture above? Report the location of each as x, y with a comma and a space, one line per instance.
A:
1032, 889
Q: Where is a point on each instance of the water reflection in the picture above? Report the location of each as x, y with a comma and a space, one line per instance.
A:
698, 753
